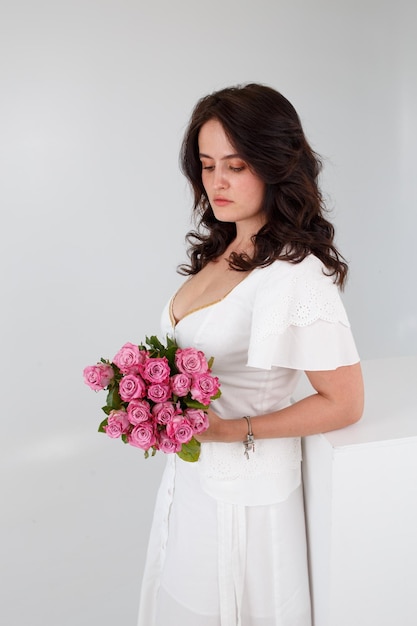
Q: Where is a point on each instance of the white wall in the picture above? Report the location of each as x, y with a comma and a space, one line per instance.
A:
95, 96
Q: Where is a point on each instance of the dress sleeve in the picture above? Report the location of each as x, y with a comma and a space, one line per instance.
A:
299, 321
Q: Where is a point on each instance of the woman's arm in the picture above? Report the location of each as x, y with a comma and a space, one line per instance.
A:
338, 402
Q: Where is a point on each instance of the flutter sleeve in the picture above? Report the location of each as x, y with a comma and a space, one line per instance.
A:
299, 321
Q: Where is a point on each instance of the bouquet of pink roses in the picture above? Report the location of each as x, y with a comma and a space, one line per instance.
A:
158, 396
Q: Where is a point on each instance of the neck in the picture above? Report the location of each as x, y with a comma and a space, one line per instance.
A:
247, 228
243, 240
240, 246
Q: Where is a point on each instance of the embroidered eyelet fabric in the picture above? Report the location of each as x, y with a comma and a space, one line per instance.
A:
299, 320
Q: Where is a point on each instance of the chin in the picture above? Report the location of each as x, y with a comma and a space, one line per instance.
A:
222, 217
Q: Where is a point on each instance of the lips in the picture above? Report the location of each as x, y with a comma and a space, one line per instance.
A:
220, 201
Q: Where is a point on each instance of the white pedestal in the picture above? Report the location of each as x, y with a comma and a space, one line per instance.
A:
361, 504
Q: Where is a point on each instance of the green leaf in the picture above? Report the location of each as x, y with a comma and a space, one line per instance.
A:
124, 438
146, 454
102, 425
218, 394
171, 343
107, 409
193, 404
210, 362
190, 451
154, 342
113, 399
170, 355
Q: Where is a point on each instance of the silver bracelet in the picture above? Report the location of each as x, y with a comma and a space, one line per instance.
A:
249, 442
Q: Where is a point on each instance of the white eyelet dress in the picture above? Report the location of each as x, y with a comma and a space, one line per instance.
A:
228, 545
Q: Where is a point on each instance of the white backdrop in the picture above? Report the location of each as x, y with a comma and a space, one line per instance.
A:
95, 96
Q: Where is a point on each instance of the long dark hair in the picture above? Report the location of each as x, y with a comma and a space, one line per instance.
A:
266, 131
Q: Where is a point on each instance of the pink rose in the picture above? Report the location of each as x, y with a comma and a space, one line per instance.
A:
98, 376
191, 361
159, 393
204, 387
128, 359
131, 387
167, 445
117, 424
198, 419
163, 412
156, 370
180, 384
142, 436
179, 429
138, 411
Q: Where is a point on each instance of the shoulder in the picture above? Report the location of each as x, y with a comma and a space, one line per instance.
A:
298, 293
280, 272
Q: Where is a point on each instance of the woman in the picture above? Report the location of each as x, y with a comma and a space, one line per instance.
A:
228, 543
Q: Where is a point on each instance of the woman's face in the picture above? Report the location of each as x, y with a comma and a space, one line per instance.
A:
234, 191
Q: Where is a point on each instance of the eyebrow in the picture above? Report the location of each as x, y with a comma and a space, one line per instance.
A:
228, 156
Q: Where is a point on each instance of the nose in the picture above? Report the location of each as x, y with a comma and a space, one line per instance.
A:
220, 178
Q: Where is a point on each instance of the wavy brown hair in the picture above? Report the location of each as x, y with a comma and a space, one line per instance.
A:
266, 132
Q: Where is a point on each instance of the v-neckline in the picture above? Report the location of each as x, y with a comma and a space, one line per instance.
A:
174, 321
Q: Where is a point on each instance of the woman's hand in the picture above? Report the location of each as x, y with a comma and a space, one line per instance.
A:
213, 433
223, 430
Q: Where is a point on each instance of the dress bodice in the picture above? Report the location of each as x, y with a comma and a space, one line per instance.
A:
277, 322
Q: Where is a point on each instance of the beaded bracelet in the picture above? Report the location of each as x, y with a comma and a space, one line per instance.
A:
249, 442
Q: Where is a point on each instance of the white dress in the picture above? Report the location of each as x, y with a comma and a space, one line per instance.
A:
227, 545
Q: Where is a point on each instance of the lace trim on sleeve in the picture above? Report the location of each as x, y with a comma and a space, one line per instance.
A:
300, 303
